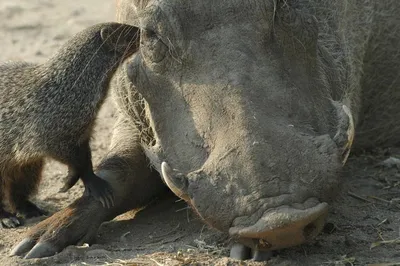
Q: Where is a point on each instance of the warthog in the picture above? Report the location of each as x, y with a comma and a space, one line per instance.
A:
248, 104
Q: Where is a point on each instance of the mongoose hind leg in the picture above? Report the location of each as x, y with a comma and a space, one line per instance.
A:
79, 161
22, 184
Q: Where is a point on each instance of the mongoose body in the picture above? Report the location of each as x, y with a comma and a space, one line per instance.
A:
49, 110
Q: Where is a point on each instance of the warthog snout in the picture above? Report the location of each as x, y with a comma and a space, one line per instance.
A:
284, 199
278, 228
284, 227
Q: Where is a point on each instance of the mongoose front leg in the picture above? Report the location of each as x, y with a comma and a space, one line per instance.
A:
79, 161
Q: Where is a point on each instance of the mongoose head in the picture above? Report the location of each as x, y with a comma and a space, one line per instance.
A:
101, 46
121, 39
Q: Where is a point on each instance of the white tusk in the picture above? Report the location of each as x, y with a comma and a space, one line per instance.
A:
175, 181
350, 134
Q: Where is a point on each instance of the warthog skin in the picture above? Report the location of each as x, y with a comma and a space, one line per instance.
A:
248, 104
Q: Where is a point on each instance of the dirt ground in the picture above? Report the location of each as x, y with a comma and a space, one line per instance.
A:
363, 227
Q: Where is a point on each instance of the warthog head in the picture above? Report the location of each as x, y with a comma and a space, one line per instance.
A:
243, 108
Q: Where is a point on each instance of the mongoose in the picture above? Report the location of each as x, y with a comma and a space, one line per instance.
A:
49, 110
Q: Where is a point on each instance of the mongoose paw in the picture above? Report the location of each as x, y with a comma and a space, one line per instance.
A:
100, 190
30, 210
8, 220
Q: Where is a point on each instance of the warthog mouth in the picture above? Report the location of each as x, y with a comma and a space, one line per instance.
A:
277, 228
283, 227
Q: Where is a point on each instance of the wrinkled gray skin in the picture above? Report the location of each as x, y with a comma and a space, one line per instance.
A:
248, 104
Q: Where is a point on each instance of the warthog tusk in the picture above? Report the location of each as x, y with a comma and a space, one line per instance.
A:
345, 134
175, 181
350, 135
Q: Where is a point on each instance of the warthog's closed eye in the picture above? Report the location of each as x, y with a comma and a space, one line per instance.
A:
152, 47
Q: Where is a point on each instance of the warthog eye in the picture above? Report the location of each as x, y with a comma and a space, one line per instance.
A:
152, 47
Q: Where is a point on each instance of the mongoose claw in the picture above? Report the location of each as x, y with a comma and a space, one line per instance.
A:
100, 190
10, 222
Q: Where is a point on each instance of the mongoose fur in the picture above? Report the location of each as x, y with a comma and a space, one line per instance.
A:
49, 110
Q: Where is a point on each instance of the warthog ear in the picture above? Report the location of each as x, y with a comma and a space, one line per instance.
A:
345, 130
121, 38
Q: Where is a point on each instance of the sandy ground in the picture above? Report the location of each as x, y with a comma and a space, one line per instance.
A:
363, 228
